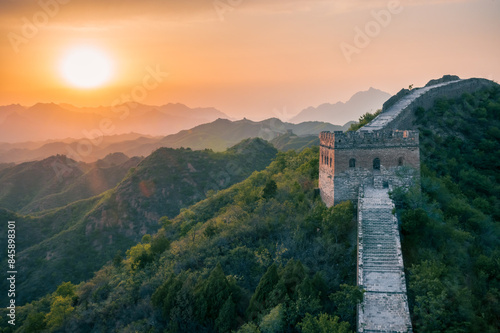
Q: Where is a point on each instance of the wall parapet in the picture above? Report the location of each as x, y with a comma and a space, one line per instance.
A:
365, 139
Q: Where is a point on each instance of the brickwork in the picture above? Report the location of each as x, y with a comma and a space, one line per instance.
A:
348, 160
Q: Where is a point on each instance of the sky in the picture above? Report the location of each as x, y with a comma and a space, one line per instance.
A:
247, 58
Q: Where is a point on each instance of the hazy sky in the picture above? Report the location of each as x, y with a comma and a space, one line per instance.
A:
253, 58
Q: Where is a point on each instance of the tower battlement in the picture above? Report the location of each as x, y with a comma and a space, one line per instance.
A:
365, 139
377, 158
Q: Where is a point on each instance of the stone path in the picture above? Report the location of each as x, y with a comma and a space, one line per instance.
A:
380, 266
390, 114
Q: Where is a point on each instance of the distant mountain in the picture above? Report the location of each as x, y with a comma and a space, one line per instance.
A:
341, 113
44, 121
36, 151
57, 181
71, 242
217, 135
223, 133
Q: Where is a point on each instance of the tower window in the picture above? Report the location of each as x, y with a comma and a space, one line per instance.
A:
352, 163
330, 161
376, 164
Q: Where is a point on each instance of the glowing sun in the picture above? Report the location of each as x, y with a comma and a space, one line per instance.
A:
86, 67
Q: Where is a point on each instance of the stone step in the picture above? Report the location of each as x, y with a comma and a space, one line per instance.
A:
377, 245
380, 257
388, 254
386, 263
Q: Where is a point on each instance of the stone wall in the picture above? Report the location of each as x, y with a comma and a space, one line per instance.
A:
405, 120
347, 161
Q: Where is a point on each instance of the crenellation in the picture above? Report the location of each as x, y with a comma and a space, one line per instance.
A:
367, 140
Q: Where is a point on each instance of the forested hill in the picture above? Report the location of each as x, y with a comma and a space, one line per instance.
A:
262, 253
266, 255
57, 181
70, 243
451, 230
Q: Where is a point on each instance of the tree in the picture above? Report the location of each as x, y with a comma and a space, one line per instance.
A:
159, 244
35, 322
259, 300
273, 321
323, 323
338, 219
60, 309
66, 289
270, 189
164, 297
226, 319
364, 119
216, 291
346, 301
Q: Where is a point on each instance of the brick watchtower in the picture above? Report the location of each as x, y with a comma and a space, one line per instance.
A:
378, 158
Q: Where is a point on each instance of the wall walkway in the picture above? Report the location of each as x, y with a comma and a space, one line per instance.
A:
380, 265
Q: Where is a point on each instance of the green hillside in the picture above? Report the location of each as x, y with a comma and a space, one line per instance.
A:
266, 255
72, 242
451, 229
262, 253
57, 181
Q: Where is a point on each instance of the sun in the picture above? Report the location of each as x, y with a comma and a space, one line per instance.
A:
86, 67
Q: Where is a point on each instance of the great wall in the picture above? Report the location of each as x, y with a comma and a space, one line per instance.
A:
363, 167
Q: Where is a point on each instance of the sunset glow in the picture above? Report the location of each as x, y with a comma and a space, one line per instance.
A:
86, 67
245, 58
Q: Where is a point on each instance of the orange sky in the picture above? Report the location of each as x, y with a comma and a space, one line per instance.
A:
248, 58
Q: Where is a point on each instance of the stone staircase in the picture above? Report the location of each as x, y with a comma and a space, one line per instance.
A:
380, 265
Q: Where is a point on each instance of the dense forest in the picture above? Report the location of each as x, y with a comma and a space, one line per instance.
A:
72, 242
266, 255
451, 229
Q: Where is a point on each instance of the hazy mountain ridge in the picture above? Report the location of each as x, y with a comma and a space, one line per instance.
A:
223, 133
356, 106
44, 121
217, 135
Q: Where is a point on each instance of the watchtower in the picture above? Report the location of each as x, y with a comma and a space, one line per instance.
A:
376, 158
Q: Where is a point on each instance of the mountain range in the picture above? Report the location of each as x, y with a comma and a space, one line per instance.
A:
72, 241
48, 121
217, 135
197, 240
341, 113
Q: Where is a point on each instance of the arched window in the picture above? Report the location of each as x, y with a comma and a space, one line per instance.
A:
400, 161
352, 163
376, 164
